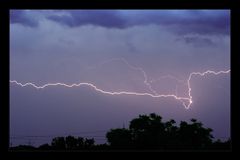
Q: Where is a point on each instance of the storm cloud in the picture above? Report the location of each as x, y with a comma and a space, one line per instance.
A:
179, 21
22, 17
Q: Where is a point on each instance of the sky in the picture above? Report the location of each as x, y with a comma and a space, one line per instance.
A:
140, 51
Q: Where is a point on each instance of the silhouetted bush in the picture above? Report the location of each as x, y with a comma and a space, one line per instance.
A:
150, 132
145, 132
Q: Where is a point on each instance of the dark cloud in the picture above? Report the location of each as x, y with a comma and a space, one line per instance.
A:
104, 18
201, 22
203, 25
20, 16
177, 21
180, 22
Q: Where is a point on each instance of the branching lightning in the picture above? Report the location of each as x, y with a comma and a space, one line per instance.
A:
134, 68
201, 74
186, 101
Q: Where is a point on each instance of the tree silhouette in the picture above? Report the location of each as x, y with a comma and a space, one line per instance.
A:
71, 143
194, 135
59, 143
45, 147
80, 143
149, 132
89, 143
145, 132
120, 138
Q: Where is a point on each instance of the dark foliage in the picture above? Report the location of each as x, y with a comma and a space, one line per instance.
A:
145, 132
149, 132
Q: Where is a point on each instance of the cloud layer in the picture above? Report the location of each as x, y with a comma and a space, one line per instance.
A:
179, 21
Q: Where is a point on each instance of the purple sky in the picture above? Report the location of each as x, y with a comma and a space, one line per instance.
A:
74, 46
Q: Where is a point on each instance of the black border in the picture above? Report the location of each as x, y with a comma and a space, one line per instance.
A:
6, 5
140, 4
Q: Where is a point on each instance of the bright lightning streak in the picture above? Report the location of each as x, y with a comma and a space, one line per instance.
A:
189, 99
201, 74
144, 74
94, 87
170, 77
134, 68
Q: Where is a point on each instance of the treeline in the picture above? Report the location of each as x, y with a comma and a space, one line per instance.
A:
65, 143
145, 132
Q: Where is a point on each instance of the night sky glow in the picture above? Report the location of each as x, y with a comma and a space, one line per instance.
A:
82, 72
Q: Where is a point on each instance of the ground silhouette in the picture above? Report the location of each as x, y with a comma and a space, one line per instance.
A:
147, 132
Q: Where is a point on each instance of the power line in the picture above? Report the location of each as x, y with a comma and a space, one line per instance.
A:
46, 137
57, 135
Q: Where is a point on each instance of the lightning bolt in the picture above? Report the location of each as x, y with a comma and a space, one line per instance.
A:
134, 68
201, 74
170, 77
186, 101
